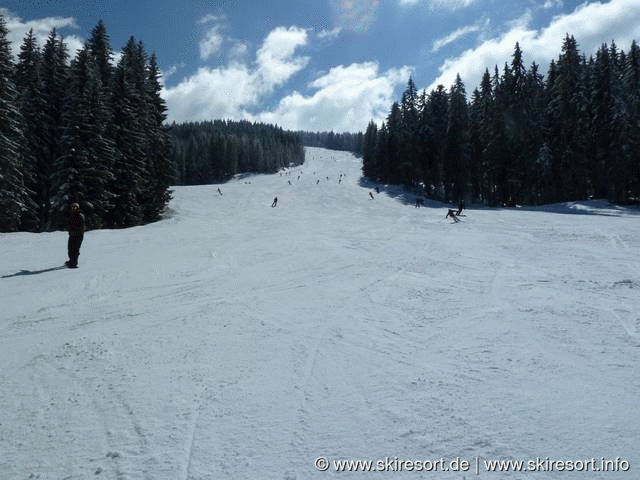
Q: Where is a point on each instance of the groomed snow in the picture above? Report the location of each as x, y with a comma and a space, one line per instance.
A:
233, 340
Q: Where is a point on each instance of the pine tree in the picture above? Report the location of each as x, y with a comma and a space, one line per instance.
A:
391, 169
425, 144
631, 92
28, 81
55, 78
83, 173
369, 167
438, 114
159, 164
457, 143
535, 101
130, 110
409, 169
568, 122
12, 189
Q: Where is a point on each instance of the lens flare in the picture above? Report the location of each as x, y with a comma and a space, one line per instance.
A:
354, 15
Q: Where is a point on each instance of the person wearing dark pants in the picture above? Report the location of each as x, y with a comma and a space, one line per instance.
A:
76, 235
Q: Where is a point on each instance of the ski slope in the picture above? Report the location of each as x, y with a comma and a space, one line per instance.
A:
233, 340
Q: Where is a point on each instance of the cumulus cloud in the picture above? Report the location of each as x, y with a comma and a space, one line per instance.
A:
275, 59
212, 93
617, 20
18, 29
229, 91
345, 99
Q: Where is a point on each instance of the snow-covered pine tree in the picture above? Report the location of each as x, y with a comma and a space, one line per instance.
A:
569, 124
28, 80
54, 78
83, 173
12, 189
159, 163
129, 113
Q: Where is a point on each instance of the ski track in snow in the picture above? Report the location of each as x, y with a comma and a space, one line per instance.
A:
236, 340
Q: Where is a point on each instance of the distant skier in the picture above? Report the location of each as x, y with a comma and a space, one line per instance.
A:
220, 192
377, 189
419, 202
371, 195
75, 226
452, 213
460, 207
275, 202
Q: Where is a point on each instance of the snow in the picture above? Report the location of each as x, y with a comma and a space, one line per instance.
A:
235, 340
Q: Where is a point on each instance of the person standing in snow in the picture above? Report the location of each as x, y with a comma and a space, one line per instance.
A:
76, 234
275, 202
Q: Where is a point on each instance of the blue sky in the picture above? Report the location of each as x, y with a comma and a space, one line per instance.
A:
324, 64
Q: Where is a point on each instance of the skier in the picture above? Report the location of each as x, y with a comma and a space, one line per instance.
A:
452, 213
460, 207
220, 192
76, 227
275, 202
419, 202
371, 195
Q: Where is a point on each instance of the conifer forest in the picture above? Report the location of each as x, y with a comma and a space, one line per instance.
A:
520, 138
81, 130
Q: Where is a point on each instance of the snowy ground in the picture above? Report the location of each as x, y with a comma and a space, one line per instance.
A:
238, 341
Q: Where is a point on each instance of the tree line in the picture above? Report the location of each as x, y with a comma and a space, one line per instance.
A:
214, 151
347, 141
81, 130
520, 138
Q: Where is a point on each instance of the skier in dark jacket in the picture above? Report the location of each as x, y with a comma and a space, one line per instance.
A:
76, 234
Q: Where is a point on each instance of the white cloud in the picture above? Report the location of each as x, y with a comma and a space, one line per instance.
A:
211, 18
211, 43
275, 58
213, 38
212, 93
458, 34
616, 20
238, 50
329, 34
345, 99
552, 4
18, 30
229, 91
450, 5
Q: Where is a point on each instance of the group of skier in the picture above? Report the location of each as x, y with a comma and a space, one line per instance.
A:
76, 223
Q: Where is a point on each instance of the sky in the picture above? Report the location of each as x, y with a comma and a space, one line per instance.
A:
327, 64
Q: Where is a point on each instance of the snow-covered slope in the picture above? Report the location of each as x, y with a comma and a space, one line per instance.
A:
233, 340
